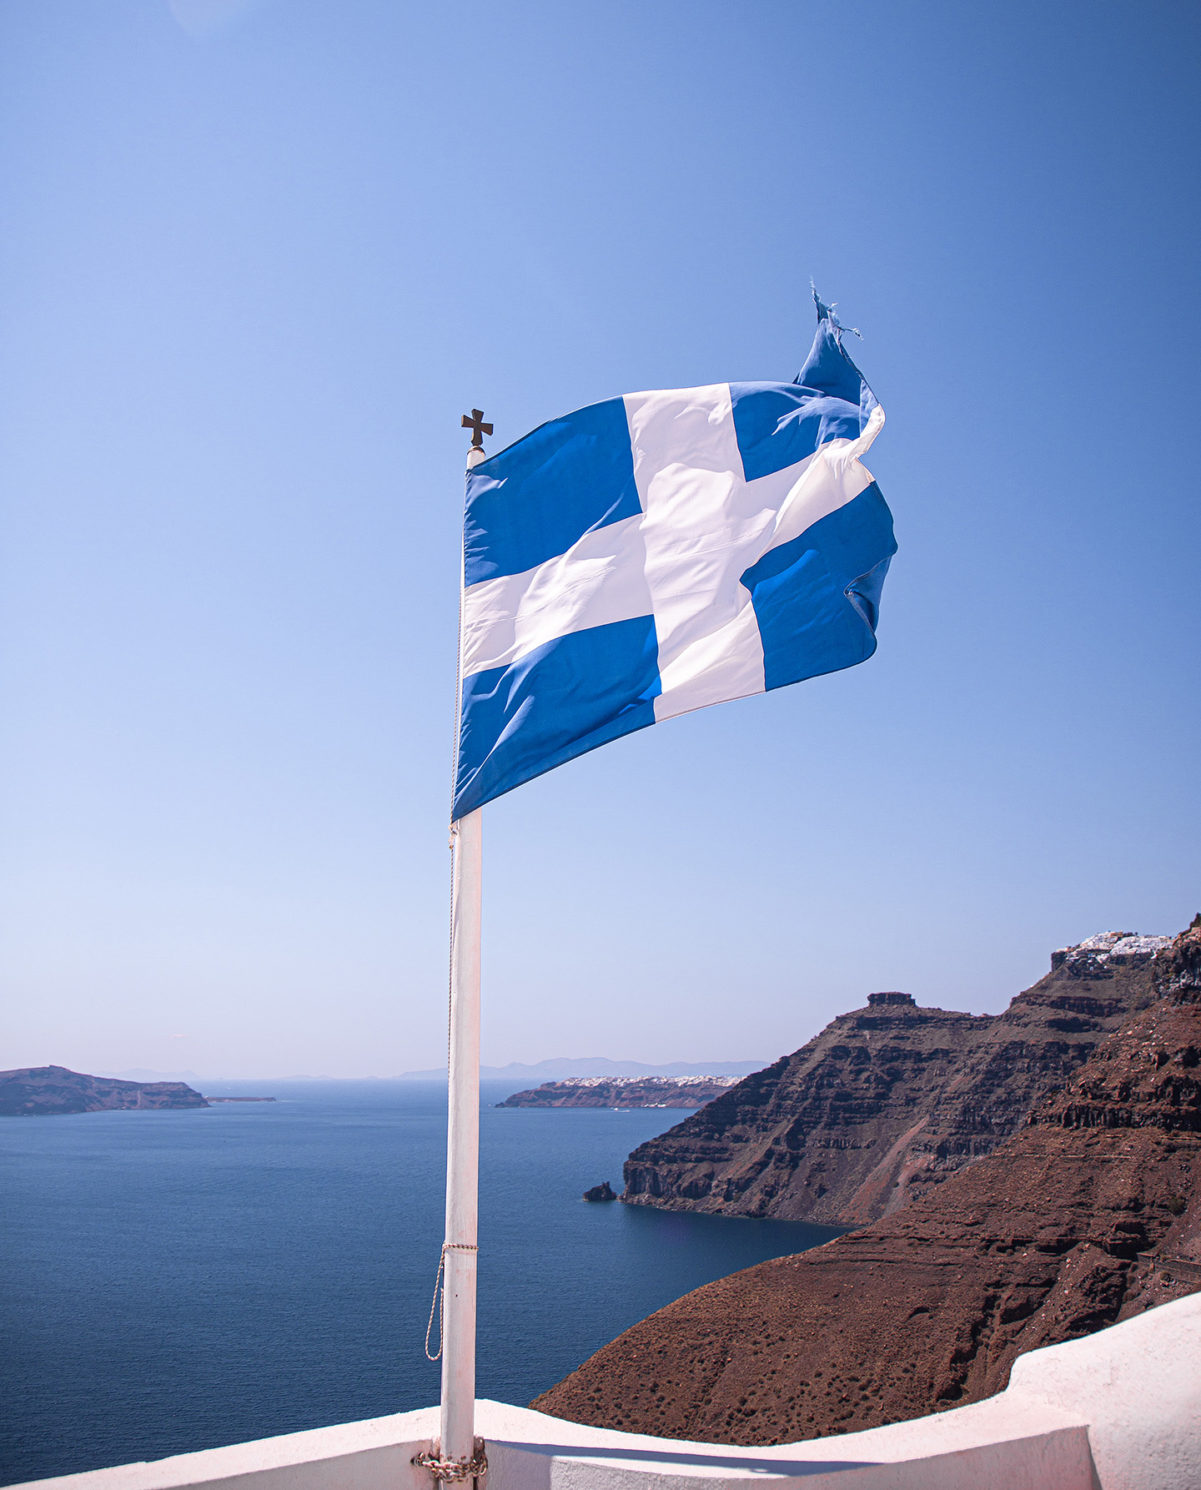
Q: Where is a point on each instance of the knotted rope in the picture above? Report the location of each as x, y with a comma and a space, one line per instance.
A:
451, 1470
474, 1468
437, 1304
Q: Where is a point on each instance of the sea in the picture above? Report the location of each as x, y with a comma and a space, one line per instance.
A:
178, 1280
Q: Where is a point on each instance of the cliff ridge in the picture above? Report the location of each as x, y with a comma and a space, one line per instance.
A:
1088, 1214
889, 1100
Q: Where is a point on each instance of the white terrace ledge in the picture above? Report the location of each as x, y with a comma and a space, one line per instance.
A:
1120, 1410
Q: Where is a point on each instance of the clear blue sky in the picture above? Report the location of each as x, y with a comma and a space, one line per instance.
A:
258, 256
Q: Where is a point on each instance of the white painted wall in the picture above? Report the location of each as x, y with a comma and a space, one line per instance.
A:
1120, 1410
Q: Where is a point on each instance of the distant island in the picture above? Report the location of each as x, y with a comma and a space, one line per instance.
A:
570, 1068
43, 1091
624, 1091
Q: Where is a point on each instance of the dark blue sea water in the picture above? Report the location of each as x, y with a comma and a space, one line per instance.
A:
179, 1280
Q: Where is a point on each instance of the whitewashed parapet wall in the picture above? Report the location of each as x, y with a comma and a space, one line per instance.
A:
1120, 1410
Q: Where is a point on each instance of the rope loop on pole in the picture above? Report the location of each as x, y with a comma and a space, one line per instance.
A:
437, 1303
451, 1470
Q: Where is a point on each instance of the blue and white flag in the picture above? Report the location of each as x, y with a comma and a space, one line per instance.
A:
655, 553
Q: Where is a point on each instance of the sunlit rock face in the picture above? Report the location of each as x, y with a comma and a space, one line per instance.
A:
891, 1099
1089, 1214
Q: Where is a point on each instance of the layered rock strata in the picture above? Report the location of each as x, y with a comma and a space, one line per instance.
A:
1090, 1213
889, 1100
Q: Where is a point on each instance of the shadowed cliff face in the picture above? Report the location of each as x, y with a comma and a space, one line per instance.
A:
889, 1100
1090, 1213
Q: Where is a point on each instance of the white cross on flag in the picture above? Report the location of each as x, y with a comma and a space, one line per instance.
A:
652, 554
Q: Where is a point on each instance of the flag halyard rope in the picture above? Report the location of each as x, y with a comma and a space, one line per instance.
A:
435, 1460
437, 1302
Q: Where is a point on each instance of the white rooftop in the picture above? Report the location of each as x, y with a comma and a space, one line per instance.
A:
1119, 1410
1118, 945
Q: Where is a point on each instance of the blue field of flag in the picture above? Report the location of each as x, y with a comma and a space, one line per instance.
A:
656, 553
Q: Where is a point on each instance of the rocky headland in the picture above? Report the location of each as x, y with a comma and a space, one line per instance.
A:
889, 1100
623, 1091
40, 1091
1089, 1213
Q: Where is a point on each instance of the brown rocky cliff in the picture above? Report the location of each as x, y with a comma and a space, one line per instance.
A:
1090, 1213
889, 1100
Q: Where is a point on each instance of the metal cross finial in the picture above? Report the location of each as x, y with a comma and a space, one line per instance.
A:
477, 427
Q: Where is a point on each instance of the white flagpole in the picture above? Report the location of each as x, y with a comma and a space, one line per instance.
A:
460, 1245
462, 1145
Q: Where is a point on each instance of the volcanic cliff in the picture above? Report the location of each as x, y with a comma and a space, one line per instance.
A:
1090, 1213
890, 1099
40, 1091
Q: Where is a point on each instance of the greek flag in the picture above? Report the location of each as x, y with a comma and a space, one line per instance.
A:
656, 553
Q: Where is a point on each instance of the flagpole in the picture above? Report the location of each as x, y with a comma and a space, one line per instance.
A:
460, 1247
462, 1145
